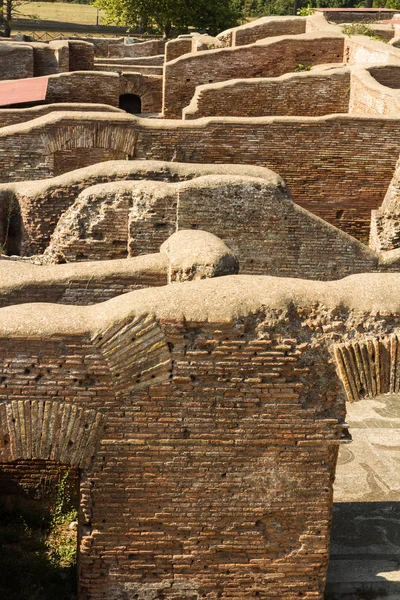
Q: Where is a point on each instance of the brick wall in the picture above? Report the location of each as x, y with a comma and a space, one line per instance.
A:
84, 86
368, 96
302, 94
262, 28
81, 55
77, 158
269, 58
340, 157
359, 49
16, 61
221, 426
175, 48
82, 284
42, 203
136, 50
147, 87
12, 116
258, 221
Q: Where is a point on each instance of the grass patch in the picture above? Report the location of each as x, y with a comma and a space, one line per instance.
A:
81, 14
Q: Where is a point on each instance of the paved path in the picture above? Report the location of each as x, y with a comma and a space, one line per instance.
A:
365, 543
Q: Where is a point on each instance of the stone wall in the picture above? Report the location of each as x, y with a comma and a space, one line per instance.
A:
269, 58
263, 28
136, 50
83, 284
338, 160
41, 203
302, 94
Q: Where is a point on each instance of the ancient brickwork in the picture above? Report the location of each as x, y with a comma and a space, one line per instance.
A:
361, 49
370, 97
234, 403
148, 48
81, 55
16, 61
12, 116
177, 47
269, 58
301, 94
83, 86
77, 158
147, 87
338, 159
121, 68
267, 232
260, 29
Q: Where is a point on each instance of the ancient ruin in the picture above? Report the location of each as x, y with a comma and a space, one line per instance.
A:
200, 276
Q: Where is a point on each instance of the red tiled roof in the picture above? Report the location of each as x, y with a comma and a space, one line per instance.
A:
16, 91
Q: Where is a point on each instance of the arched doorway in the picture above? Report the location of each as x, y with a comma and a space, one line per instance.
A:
130, 103
365, 536
39, 503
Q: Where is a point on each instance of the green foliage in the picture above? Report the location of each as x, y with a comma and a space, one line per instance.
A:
301, 67
145, 15
38, 559
306, 11
361, 29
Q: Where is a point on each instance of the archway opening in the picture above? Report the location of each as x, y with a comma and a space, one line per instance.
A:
365, 536
130, 103
11, 229
38, 530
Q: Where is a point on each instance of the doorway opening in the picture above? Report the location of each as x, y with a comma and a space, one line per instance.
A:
365, 536
38, 530
130, 103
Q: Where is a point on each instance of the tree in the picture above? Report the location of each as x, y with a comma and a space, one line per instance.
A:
211, 15
8, 11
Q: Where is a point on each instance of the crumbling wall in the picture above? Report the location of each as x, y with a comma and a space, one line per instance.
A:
257, 219
302, 94
42, 203
268, 58
263, 28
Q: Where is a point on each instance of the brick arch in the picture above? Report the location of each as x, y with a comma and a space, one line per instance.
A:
48, 430
370, 366
147, 87
136, 352
118, 137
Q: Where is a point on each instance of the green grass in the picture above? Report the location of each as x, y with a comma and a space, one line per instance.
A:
83, 14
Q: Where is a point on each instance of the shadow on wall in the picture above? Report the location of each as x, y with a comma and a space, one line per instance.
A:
365, 551
130, 103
